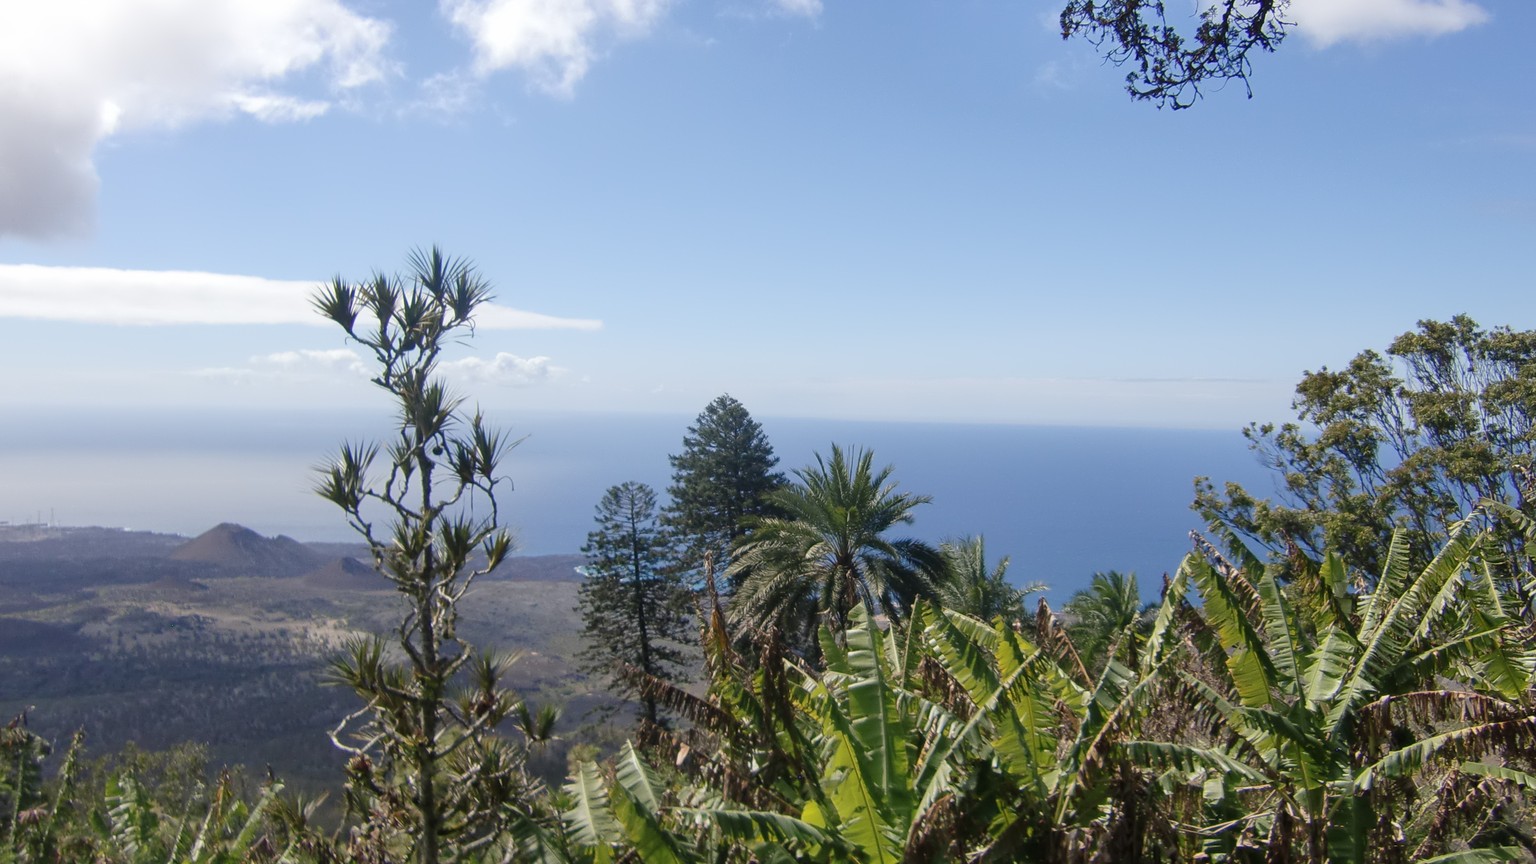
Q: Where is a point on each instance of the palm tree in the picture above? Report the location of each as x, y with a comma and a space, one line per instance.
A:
979, 591
1102, 613
829, 551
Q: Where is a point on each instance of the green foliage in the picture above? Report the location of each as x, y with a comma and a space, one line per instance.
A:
31, 827
634, 609
1324, 718
829, 551
1409, 441
145, 810
1337, 702
941, 741
720, 483
222, 830
427, 775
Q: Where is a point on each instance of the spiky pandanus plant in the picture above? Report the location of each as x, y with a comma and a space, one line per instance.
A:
426, 773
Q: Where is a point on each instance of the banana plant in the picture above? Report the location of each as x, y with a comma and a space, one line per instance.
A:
1043, 736
132, 829
875, 783
1328, 711
947, 739
35, 826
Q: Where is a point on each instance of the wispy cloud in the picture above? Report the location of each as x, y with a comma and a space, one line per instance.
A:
1328, 21
309, 360
74, 73
494, 317
77, 71
96, 295
305, 364
553, 41
504, 369
309, 366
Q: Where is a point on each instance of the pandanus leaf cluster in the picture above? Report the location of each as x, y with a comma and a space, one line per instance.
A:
427, 775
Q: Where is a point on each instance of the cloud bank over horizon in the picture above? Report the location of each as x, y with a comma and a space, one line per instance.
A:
99, 295
308, 365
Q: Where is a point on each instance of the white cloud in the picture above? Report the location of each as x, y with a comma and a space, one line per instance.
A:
446, 93
314, 361
95, 295
553, 41
305, 364
271, 108
505, 369
494, 317
1328, 21
73, 72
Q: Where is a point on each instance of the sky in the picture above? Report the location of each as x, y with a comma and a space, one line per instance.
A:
915, 210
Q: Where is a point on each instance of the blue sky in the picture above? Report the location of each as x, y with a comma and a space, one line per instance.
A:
912, 210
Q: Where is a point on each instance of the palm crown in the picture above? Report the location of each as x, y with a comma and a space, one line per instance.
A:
829, 550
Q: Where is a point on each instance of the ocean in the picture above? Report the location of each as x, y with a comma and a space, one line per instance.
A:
1062, 503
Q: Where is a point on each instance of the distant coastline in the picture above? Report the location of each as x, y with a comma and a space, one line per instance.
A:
1062, 502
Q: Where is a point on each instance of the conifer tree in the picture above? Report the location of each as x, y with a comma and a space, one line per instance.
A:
721, 482
634, 607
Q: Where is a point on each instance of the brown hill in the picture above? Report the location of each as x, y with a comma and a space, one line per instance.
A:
234, 550
347, 574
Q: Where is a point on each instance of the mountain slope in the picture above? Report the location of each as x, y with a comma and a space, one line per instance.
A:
238, 551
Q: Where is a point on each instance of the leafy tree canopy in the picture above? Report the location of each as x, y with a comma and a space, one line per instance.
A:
1413, 440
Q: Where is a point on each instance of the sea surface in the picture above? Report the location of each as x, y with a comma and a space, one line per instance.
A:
1061, 503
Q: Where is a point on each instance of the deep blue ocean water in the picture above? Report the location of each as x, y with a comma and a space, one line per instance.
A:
1061, 502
